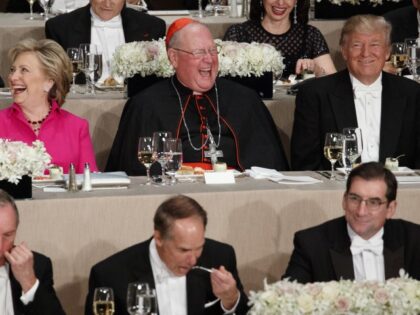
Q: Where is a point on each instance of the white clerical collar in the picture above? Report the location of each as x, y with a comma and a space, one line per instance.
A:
377, 84
162, 271
353, 234
111, 22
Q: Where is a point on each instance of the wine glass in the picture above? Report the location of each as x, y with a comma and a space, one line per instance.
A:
31, 10
89, 64
103, 301
145, 152
398, 56
173, 153
352, 147
46, 6
216, 6
158, 141
333, 147
139, 300
76, 62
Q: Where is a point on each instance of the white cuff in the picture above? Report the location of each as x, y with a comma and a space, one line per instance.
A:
232, 310
29, 296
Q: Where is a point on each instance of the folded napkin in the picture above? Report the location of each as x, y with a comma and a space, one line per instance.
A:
408, 179
103, 179
275, 176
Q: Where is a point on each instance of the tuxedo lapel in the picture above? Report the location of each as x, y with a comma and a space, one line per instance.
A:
391, 118
393, 249
342, 102
141, 268
197, 281
82, 28
132, 28
16, 293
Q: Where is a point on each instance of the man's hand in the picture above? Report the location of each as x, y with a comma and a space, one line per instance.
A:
224, 287
21, 261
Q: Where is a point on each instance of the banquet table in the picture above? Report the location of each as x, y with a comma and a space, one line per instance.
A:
257, 217
15, 26
103, 111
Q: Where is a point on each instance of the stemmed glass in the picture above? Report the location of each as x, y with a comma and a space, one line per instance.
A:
333, 148
158, 141
173, 152
31, 10
145, 153
46, 6
216, 6
139, 298
76, 62
413, 53
398, 57
352, 147
89, 65
103, 301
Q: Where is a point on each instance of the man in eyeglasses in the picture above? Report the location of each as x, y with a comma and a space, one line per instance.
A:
365, 244
190, 273
202, 110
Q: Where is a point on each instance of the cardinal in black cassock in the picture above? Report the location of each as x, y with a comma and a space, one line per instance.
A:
200, 109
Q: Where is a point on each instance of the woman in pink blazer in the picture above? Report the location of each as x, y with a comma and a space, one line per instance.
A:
39, 79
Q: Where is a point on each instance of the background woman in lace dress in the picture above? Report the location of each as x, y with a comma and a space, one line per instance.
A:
277, 22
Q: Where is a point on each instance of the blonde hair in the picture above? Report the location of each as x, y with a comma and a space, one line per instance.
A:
366, 23
54, 63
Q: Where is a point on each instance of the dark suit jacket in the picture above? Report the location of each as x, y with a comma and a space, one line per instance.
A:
322, 253
327, 105
404, 23
73, 29
45, 301
133, 264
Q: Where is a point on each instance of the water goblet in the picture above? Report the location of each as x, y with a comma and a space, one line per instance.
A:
139, 300
173, 152
398, 57
46, 6
145, 153
352, 147
89, 65
76, 62
103, 301
333, 148
158, 141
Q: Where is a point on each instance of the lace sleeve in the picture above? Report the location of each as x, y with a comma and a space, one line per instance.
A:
236, 33
317, 45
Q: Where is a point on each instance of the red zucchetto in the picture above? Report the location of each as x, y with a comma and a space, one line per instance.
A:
176, 26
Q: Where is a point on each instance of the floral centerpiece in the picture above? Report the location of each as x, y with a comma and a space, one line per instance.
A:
235, 59
395, 296
18, 159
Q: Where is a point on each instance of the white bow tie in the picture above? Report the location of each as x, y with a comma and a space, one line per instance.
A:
360, 92
358, 245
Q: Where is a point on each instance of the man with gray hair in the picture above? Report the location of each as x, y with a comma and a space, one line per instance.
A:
26, 281
384, 106
191, 274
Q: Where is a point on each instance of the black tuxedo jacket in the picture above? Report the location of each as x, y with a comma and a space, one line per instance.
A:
45, 301
322, 253
73, 29
133, 264
404, 23
327, 105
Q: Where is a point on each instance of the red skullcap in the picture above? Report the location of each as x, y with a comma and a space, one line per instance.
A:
176, 26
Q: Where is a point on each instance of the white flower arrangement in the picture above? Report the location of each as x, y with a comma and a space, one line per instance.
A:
398, 296
357, 2
235, 59
18, 159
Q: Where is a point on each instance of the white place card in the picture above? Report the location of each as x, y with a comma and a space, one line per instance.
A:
219, 177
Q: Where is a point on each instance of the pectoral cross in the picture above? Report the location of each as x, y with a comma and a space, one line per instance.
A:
212, 153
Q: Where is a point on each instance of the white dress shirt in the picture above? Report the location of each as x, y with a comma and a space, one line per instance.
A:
6, 299
171, 290
368, 104
368, 257
107, 36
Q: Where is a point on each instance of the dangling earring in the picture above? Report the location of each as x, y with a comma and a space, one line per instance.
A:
295, 14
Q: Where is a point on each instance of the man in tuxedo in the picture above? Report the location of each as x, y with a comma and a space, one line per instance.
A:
166, 262
385, 106
365, 244
26, 281
405, 22
107, 24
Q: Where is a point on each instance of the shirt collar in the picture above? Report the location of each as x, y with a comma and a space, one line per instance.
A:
375, 85
353, 234
114, 20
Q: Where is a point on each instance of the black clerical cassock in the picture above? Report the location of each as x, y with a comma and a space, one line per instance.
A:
240, 123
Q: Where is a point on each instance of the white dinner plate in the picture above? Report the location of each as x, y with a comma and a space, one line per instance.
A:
402, 170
